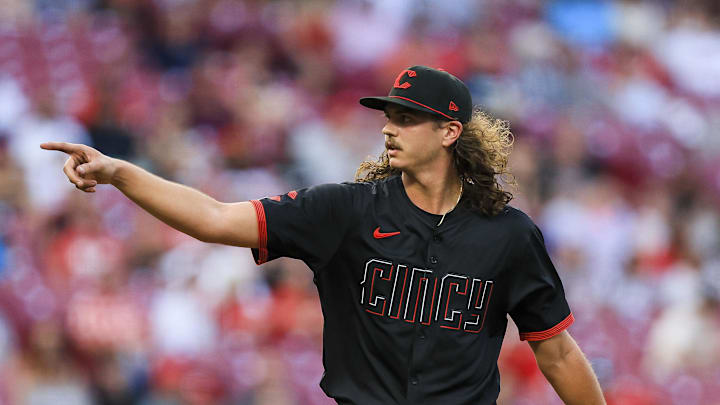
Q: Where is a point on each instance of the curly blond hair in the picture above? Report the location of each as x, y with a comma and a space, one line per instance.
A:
480, 156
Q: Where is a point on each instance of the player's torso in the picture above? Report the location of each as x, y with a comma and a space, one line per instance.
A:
424, 303
407, 268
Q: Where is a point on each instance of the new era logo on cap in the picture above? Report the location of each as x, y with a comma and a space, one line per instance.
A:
426, 89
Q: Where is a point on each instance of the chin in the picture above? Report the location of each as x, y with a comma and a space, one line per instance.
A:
395, 163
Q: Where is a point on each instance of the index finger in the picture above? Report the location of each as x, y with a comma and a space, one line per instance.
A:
61, 146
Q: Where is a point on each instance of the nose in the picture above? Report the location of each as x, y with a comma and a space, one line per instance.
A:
389, 129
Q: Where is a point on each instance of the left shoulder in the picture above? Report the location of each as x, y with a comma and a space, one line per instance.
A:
516, 221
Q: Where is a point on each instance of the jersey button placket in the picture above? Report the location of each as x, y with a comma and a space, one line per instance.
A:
413, 387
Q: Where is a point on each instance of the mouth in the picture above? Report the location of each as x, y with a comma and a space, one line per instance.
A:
391, 149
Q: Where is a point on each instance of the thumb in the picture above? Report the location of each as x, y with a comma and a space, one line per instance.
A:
87, 168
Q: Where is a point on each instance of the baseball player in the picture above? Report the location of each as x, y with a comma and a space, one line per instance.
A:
418, 263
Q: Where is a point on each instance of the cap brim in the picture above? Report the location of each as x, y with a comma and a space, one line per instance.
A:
379, 103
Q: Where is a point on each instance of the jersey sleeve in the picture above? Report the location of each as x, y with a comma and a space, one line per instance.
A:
537, 301
307, 224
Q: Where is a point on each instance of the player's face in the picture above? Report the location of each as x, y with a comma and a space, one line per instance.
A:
412, 138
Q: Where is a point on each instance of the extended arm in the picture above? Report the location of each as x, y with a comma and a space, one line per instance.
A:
184, 208
568, 371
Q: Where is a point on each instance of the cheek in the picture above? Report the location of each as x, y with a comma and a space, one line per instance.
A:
421, 147
413, 142
418, 145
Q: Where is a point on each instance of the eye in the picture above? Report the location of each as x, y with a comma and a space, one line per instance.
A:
405, 119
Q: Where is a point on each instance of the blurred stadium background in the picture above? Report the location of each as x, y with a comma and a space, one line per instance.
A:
615, 106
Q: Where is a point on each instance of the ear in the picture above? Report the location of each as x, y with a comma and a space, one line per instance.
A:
452, 131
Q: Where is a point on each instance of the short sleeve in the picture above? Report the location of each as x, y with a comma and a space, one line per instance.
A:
307, 224
537, 301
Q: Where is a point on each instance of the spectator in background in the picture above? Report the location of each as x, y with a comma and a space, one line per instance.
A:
13, 193
44, 121
46, 372
686, 336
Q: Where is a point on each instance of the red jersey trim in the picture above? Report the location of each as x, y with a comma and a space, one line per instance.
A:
423, 105
547, 334
262, 232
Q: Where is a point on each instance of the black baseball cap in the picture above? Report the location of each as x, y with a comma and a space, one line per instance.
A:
426, 89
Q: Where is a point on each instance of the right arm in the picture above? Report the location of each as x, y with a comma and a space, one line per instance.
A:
564, 365
185, 209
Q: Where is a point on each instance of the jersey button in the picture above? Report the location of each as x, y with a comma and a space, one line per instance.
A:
433, 259
414, 381
436, 237
422, 336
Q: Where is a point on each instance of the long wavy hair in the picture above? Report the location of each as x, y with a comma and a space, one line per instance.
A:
480, 156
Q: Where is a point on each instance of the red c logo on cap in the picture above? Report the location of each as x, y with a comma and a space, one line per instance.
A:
405, 85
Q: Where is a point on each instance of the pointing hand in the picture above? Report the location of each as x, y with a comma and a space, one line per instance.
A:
85, 167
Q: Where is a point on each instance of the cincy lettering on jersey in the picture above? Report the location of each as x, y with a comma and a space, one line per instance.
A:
454, 301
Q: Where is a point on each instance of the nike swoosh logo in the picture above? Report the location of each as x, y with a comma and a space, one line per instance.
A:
379, 235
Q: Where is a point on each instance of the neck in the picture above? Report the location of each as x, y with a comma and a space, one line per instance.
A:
436, 192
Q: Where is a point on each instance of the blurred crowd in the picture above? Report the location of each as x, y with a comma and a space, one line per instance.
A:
615, 107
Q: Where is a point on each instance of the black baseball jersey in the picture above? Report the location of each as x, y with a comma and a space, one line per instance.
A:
415, 313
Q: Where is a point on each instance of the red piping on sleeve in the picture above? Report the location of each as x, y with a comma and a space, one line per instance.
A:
547, 334
262, 232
